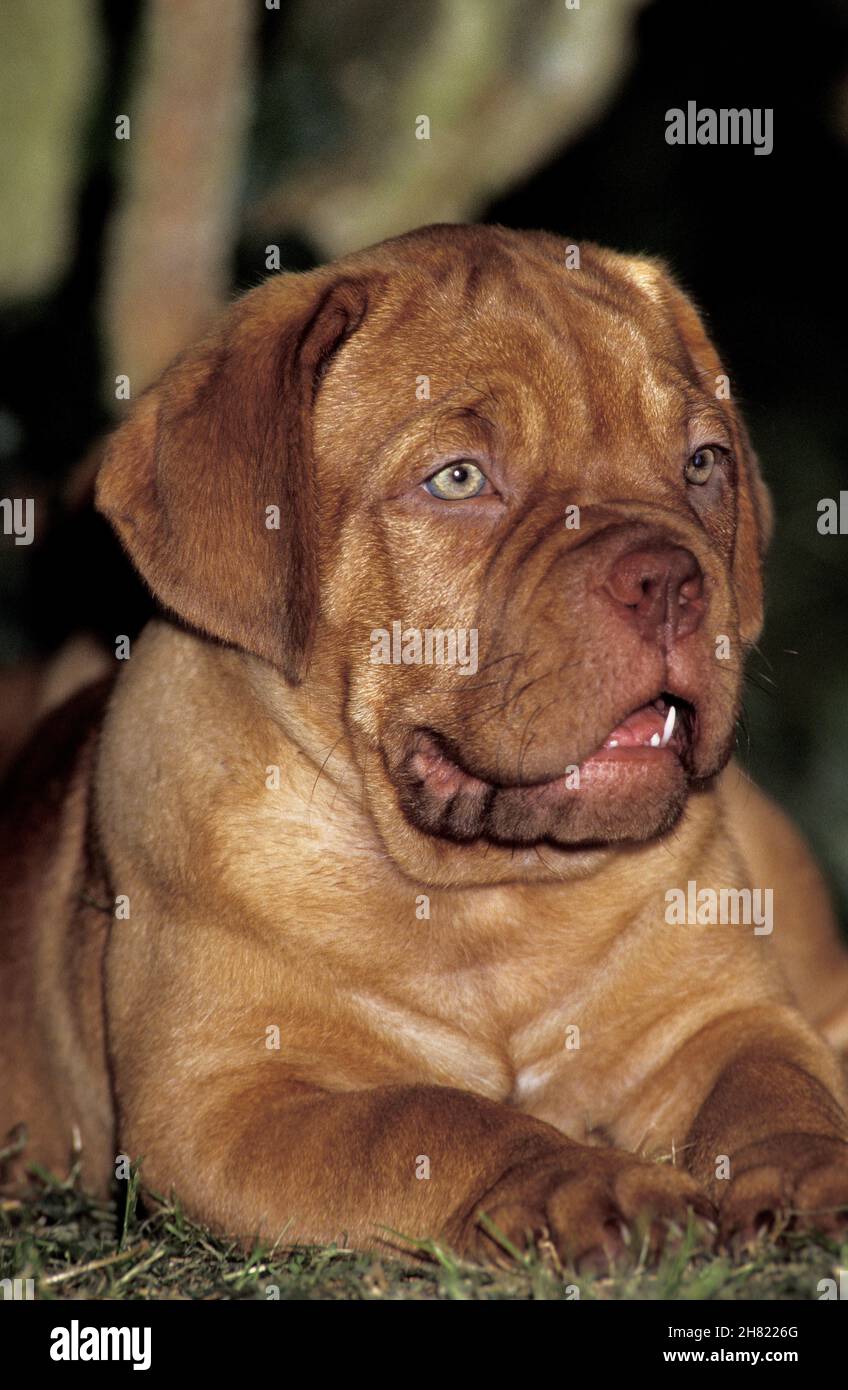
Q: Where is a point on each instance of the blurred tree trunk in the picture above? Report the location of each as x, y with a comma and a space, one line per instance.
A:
50, 58
500, 85
172, 237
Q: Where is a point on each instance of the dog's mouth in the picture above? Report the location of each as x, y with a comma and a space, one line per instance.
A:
646, 757
668, 722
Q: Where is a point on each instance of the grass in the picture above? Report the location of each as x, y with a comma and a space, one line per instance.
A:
73, 1247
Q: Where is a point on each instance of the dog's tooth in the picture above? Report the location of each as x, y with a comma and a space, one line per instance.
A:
655, 740
613, 743
669, 726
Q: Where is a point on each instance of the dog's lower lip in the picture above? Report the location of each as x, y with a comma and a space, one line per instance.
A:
656, 733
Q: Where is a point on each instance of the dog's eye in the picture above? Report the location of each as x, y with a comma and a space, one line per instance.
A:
700, 465
457, 481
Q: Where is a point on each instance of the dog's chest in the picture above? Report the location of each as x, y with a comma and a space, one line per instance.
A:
493, 1030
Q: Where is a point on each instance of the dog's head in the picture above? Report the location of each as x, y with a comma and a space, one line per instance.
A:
495, 509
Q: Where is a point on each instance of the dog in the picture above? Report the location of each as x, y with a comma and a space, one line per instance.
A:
346, 935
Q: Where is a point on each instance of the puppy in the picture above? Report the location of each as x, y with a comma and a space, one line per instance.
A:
353, 905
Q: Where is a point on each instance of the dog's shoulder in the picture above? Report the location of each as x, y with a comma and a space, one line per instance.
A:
48, 783
806, 936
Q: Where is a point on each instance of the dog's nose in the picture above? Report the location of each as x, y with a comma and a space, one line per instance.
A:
660, 589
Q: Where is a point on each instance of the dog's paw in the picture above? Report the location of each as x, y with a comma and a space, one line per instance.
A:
797, 1182
594, 1211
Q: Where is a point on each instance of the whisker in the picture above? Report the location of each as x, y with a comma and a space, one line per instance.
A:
323, 766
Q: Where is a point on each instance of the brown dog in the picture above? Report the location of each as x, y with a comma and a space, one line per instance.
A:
355, 911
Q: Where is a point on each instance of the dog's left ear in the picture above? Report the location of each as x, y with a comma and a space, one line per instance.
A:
754, 508
210, 482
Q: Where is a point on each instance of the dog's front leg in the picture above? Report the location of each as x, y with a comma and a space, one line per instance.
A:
293, 1162
769, 1142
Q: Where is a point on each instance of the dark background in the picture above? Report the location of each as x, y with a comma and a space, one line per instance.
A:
758, 241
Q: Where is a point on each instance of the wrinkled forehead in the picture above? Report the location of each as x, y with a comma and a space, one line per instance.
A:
518, 350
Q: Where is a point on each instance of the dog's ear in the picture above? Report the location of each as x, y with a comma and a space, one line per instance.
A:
754, 509
210, 482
